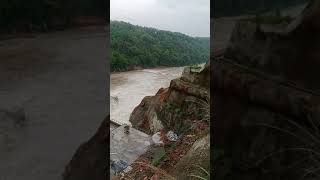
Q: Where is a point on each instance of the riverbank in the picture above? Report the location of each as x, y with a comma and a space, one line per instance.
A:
136, 68
127, 89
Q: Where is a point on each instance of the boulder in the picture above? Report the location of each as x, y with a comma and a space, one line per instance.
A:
90, 160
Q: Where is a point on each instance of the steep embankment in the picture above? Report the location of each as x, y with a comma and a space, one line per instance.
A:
135, 46
183, 108
267, 78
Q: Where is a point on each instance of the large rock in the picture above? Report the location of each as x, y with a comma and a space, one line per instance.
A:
290, 52
144, 117
90, 160
160, 111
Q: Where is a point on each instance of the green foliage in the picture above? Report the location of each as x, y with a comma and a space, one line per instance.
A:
148, 47
174, 118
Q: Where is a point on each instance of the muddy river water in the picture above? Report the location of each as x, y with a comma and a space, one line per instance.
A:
58, 81
127, 89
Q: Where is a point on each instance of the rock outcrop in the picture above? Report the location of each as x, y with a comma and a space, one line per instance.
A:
169, 106
266, 104
90, 160
289, 51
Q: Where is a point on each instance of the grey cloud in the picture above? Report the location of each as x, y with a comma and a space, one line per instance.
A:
191, 17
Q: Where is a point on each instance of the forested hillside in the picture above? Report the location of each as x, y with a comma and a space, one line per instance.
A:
236, 7
136, 46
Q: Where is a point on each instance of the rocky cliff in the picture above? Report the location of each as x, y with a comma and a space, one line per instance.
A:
265, 99
184, 108
176, 106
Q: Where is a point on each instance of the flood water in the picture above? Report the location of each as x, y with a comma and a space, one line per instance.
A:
59, 81
127, 89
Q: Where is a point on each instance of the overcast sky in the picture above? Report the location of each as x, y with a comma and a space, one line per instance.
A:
191, 17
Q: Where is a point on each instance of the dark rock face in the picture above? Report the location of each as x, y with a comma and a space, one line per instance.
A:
91, 159
257, 117
144, 116
266, 106
290, 52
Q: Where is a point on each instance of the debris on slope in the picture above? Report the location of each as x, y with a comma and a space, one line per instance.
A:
179, 116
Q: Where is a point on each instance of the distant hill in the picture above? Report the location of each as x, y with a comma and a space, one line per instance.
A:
237, 7
136, 46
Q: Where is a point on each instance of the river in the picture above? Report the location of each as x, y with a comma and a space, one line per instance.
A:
59, 80
127, 89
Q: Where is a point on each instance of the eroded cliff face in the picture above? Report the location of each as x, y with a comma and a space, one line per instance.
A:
266, 105
184, 108
175, 107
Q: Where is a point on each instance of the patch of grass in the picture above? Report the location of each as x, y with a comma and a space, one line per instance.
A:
159, 154
192, 114
309, 137
204, 108
203, 174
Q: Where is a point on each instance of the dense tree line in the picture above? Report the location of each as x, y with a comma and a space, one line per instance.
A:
236, 7
136, 46
24, 13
